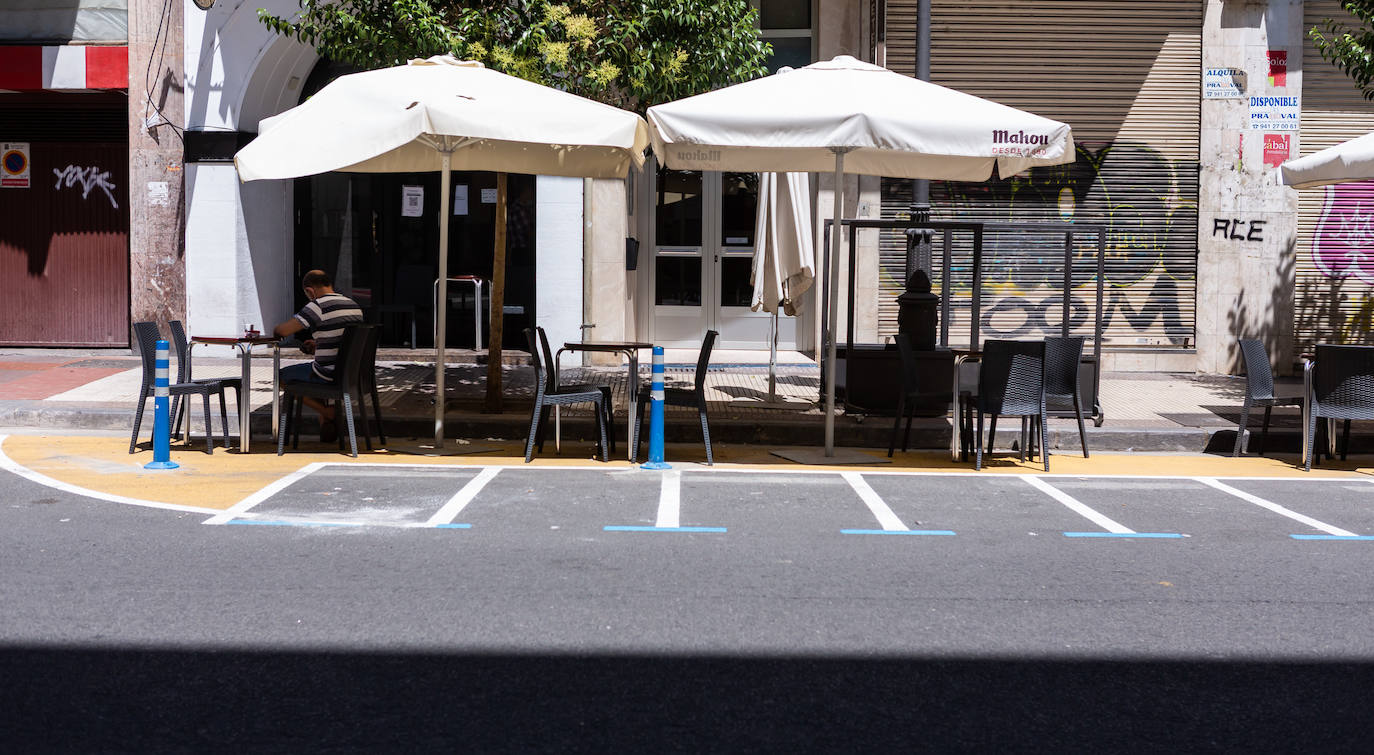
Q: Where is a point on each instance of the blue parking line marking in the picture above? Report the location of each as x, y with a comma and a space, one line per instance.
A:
1332, 537
897, 532
1155, 535
451, 526
282, 523
637, 528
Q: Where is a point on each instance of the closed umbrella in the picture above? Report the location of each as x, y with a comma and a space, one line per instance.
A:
1345, 162
843, 114
784, 263
443, 114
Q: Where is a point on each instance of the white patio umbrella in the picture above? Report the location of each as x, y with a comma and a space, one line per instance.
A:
843, 114
1348, 161
784, 260
443, 114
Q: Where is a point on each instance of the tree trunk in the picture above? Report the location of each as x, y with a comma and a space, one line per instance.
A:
498, 302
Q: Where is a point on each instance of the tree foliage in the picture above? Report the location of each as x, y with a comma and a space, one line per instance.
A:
1350, 48
627, 53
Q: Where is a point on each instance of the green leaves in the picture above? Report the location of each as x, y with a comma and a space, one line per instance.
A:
628, 53
1348, 48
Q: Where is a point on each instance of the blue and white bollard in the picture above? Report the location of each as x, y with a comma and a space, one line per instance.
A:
162, 428
656, 415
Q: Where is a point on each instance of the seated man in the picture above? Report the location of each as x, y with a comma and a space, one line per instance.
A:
323, 318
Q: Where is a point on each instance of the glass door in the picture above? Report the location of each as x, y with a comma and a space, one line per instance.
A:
704, 227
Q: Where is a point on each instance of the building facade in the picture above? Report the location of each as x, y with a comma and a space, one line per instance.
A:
1181, 110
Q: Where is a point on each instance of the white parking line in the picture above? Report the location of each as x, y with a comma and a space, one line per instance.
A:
1077, 506
1276, 508
233, 512
884, 514
670, 500
450, 511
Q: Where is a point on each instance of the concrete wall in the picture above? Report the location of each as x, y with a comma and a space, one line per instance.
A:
1247, 222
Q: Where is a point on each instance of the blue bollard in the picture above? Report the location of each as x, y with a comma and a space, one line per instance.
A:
656, 415
162, 428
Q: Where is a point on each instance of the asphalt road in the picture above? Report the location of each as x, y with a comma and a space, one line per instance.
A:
570, 610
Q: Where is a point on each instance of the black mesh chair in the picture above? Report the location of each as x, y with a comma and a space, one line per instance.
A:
1011, 382
183, 351
346, 390
1342, 380
147, 335
911, 393
1259, 391
1062, 392
548, 393
694, 396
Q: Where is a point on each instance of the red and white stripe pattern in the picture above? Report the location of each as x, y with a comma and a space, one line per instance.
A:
32, 68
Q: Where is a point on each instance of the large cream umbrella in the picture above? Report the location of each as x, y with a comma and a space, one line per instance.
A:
443, 114
841, 115
1348, 161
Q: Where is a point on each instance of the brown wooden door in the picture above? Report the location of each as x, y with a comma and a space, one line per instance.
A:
64, 248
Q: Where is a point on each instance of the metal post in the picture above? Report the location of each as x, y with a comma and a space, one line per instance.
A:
441, 306
162, 443
834, 285
773, 359
656, 415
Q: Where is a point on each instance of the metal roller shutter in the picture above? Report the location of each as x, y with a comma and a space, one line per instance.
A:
1125, 75
1333, 301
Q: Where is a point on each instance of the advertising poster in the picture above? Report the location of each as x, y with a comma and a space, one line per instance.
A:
1223, 83
412, 201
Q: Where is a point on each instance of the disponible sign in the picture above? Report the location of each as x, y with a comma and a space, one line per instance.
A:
1223, 83
1274, 113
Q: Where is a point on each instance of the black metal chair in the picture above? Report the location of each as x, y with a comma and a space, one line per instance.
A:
1062, 391
1259, 391
548, 393
183, 351
367, 379
1342, 380
346, 390
147, 335
1011, 382
694, 396
911, 394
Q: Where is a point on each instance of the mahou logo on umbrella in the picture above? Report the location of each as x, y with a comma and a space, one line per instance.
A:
1018, 143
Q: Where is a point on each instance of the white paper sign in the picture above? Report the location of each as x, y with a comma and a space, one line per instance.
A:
412, 201
1274, 113
460, 199
489, 196
159, 193
14, 165
1223, 83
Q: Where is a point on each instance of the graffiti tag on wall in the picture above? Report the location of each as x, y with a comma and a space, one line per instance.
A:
1341, 245
87, 178
1147, 203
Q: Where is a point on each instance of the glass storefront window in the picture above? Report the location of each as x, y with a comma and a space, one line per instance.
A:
784, 14
735, 288
678, 213
739, 203
677, 281
789, 51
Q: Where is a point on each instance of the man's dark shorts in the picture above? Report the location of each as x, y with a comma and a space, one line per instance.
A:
303, 373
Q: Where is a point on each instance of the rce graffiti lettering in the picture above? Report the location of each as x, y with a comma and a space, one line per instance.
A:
1231, 228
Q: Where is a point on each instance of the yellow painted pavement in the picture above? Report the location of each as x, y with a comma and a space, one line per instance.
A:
103, 465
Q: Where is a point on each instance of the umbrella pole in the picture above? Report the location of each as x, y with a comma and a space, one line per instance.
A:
833, 320
441, 306
773, 360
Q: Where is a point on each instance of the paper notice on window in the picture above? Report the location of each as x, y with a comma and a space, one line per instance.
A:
489, 196
460, 199
412, 201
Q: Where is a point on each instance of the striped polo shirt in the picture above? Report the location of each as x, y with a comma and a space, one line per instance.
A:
326, 317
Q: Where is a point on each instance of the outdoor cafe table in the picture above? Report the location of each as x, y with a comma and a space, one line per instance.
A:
631, 351
245, 345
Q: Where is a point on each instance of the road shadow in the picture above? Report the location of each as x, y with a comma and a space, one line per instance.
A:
58, 699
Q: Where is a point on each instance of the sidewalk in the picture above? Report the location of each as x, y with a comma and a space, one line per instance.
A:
95, 390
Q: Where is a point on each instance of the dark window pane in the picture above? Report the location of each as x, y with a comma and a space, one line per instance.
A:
739, 203
678, 215
677, 282
785, 14
789, 51
735, 288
